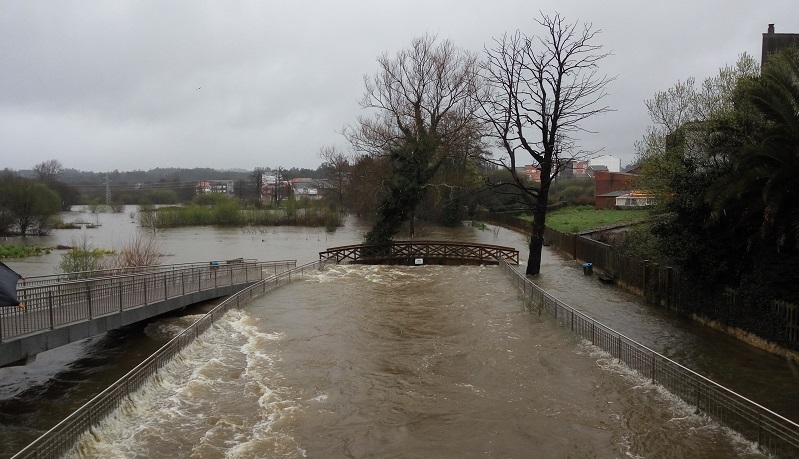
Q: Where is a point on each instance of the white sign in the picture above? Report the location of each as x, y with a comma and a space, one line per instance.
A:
419, 261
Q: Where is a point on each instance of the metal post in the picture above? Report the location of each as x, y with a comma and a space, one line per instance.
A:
760, 430
653, 367
89, 299
50, 307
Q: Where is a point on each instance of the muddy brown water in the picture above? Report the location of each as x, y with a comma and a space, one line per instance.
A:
361, 361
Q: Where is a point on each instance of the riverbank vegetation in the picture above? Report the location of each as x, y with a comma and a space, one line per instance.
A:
230, 212
83, 260
21, 251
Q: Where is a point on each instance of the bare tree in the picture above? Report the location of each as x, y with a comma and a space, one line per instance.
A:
48, 170
337, 165
537, 92
422, 100
257, 176
140, 251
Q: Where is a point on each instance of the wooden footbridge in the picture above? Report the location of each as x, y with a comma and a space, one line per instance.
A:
65, 308
421, 253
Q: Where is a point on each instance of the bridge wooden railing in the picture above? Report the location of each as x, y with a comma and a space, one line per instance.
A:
421, 253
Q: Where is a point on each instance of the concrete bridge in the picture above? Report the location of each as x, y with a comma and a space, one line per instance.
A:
59, 310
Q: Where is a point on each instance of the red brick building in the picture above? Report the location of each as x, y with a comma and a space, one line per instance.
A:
609, 186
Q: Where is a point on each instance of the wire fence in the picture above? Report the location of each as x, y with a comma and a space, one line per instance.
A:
59, 440
773, 433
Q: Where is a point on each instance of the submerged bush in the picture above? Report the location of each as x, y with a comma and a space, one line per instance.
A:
83, 260
20, 251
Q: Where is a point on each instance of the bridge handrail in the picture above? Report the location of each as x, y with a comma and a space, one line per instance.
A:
135, 272
62, 277
55, 305
771, 431
60, 439
399, 249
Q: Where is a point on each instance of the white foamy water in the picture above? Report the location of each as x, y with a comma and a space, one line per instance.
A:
217, 398
380, 361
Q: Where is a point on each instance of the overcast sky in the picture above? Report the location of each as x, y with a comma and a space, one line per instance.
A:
126, 85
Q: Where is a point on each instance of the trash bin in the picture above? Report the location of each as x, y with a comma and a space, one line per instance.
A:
588, 268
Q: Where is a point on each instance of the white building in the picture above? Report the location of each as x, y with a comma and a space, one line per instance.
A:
612, 163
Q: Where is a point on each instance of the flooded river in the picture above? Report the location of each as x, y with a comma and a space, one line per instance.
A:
361, 361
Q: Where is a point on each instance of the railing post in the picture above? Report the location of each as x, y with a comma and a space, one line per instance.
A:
183, 282
653, 367
121, 293
166, 295
144, 280
50, 308
89, 299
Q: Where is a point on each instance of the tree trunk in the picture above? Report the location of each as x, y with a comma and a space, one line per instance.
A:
536, 240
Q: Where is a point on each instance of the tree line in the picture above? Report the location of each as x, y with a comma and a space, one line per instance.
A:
723, 159
445, 132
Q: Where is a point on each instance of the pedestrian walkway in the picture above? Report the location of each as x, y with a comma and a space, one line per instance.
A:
758, 375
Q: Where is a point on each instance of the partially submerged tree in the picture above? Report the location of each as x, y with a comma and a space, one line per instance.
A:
31, 206
423, 101
538, 91
337, 167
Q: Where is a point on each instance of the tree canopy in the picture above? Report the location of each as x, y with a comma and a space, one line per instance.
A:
421, 102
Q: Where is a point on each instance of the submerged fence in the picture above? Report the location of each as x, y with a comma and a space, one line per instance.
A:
772, 433
59, 440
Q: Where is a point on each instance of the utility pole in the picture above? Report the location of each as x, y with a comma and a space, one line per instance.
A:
107, 190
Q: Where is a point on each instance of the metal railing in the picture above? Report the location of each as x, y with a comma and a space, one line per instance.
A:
773, 433
410, 251
59, 440
32, 281
49, 305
